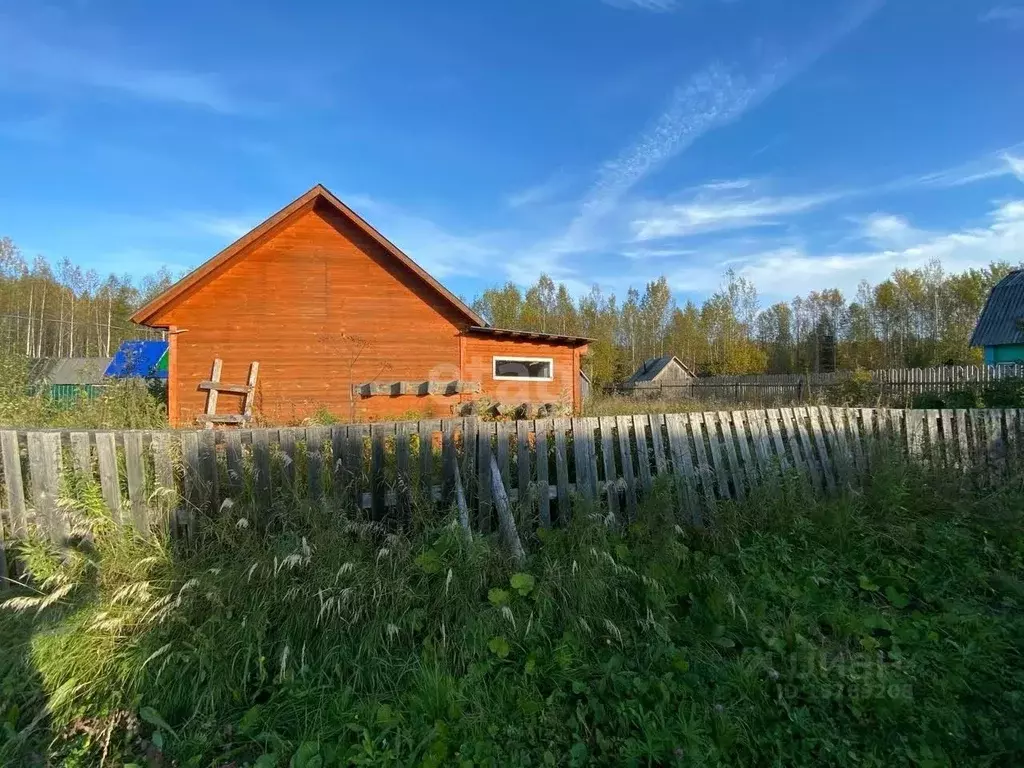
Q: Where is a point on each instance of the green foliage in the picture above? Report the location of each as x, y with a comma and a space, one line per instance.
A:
878, 629
1004, 393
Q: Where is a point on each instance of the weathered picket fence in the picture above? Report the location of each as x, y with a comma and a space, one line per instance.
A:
175, 477
795, 387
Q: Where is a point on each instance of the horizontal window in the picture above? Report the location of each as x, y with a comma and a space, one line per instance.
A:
536, 368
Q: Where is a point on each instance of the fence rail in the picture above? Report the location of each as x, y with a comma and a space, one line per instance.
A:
173, 478
793, 387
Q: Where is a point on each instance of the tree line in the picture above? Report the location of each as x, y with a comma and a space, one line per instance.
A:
61, 310
916, 318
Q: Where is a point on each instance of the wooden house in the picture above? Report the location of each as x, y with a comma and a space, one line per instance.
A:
342, 321
658, 373
1000, 328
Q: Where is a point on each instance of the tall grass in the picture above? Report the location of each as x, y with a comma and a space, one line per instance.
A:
883, 628
126, 404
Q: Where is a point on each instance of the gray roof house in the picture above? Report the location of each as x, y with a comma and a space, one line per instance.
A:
660, 370
1000, 328
68, 370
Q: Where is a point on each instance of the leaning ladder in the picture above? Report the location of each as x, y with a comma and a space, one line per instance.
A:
214, 386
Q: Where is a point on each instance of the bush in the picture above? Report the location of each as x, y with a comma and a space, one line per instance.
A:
878, 629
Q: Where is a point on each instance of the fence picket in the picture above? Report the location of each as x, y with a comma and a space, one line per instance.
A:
543, 426
622, 424
81, 455
657, 421
562, 470
44, 465
14, 486
703, 470
730, 439
824, 460
136, 472
110, 483
717, 461
643, 456
581, 458
682, 466
793, 441
166, 488
523, 429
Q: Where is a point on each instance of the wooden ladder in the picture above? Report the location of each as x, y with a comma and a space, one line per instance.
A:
214, 386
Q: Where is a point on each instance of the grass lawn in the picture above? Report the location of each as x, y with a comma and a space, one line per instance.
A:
885, 628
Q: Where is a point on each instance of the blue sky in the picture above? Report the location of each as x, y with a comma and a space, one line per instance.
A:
806, 145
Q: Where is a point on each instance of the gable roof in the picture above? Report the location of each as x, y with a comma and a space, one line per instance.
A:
1002, 319
68, 370
145, 315
653, 368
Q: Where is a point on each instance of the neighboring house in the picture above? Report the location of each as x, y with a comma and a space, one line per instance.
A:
341, 320
658, 372
65, 378
1000, 329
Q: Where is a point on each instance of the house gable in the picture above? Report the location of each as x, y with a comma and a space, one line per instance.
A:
318, 198
322, 308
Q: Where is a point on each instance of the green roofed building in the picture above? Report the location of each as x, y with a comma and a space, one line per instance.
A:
1000, 329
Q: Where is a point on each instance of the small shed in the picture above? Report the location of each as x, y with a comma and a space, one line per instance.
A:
658, 372
1000, 328
67, 378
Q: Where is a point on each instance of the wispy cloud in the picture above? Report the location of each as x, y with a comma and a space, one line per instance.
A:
659, 6
228, 227
540, 193
715, 96
1015, 164
1005, 162
722, 212
37, 53
1011, 15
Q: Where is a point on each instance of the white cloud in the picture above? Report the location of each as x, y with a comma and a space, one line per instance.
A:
795, 270
719, 214
1005, 162
887, 230
1015, 164
659, 6
1011, 15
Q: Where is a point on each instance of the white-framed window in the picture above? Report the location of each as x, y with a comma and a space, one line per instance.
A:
506, 368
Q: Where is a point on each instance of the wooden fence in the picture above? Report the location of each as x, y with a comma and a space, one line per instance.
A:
899, 383
175, 477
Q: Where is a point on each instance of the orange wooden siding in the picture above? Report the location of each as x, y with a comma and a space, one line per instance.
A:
564, 387
320, 306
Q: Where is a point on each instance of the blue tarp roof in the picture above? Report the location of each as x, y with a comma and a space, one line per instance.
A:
138, 359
